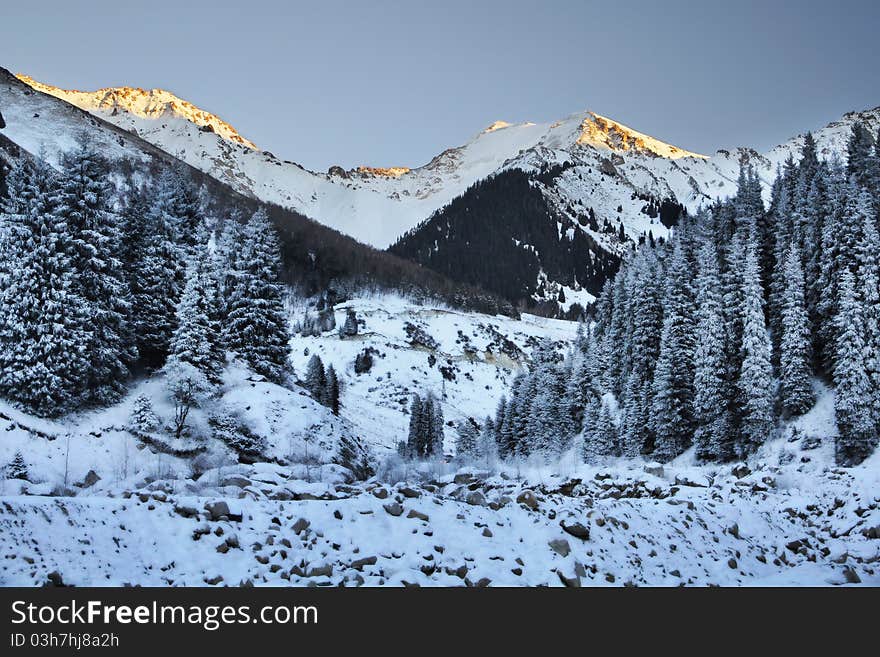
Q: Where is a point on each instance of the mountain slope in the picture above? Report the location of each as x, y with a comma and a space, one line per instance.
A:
314, 255
614, 169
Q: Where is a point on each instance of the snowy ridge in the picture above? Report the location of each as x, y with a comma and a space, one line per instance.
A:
614, 166
147, 105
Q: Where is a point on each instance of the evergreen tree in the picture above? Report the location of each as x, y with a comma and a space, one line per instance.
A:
86, 200
796, 387
466, 439
853, 400
332, 394
600, 433
712, 432
868, 281
756, 373
487, 447
316, 378
256, 326
143, 418
159, 277
42, 337
434, 444
672, 407
17, 468
859, 149
413, 441
195, 340
350, 328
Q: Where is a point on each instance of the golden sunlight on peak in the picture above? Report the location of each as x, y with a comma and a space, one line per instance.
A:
596, 129
386, 172
140, 104
498, 125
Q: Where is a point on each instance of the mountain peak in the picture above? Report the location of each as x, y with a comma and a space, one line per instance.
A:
602, 131
150, 104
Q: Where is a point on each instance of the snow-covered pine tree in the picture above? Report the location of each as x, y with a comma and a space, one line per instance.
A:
466, 439
601, 434
143, 418
756, 373
545, 411
159, 277
487, 447
853, 400
868, 283
86, 201
672, 408
350, 327
829, 272
316, 378
816, 211
434, 445
332, 390
646, 306
413, 439
256, 326
859, 150
42, 336
195, 340
17, 468
796, 387
712, 431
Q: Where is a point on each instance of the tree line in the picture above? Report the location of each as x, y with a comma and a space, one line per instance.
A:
711, 338
100, 284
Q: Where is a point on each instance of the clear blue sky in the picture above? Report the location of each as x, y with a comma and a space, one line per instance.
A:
385, 82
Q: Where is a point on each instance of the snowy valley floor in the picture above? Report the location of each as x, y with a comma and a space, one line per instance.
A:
621, 525
112, 507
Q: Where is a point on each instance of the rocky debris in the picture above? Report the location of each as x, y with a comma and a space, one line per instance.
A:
560, 546
380, 493
300, 526
358, 564
487, 532
528, 499
393, 509
54, 579
740, 471
570, 582
871, 532
476, 498
416, 514
89, 480
217, 510
186, 511
320, 571
851, 576
236, 481
684, 481
578, 530
409, 493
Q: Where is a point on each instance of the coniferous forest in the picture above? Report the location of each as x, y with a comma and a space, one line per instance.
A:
710, 339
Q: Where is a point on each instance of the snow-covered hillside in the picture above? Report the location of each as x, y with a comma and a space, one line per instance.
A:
776, 521
615, 167
412, 346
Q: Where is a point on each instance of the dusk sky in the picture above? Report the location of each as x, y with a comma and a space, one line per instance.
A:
389, 83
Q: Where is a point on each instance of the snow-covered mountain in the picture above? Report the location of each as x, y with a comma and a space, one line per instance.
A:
614, 168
